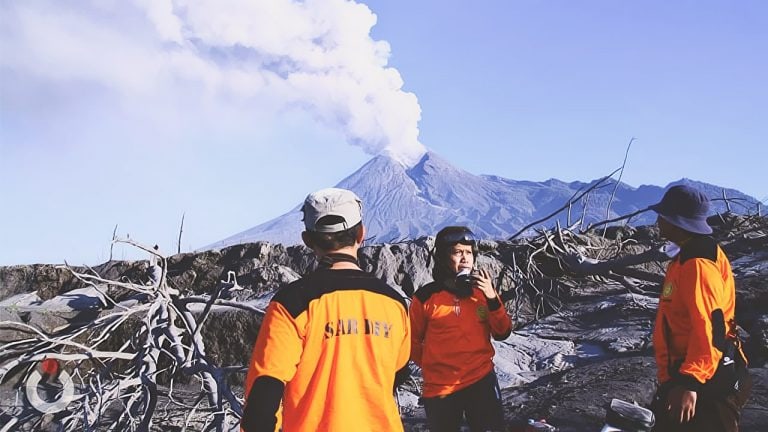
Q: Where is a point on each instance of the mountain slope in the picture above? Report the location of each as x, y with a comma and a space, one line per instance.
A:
402, 202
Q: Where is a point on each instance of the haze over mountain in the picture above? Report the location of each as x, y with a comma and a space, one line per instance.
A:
401, 202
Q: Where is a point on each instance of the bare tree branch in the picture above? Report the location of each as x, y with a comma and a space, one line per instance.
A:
618, 182
575, 197
605, 222
181, 230
125, 380
112, 245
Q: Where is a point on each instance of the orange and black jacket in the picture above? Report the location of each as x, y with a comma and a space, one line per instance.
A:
329, 347
450, 337
695, 319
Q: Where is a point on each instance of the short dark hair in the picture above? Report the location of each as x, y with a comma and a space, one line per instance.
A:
334, 240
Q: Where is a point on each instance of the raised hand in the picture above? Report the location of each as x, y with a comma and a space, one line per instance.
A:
481, 279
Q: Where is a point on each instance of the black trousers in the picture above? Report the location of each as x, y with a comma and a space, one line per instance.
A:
714, 413
480, 403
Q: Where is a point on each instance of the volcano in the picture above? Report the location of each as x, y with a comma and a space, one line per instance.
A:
407, 202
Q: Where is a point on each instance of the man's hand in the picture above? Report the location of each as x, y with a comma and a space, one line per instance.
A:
681, 404
481, 280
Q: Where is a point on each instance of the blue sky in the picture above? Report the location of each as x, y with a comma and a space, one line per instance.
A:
132, 113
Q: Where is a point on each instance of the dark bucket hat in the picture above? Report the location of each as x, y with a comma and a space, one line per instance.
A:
686, 208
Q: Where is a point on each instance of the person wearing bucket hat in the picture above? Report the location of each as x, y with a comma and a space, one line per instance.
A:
701, 368
686, 208
331, 343
452, 321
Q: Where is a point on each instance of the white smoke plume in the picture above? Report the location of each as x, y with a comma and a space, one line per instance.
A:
253, 56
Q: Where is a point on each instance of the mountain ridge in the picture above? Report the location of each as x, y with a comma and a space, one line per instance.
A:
407, 202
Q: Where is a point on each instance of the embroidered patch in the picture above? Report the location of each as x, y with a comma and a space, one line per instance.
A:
667, 291
482, 312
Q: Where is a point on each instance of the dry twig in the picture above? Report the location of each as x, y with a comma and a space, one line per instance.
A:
120, 390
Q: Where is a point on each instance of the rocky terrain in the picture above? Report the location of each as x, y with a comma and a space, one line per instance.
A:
583, 321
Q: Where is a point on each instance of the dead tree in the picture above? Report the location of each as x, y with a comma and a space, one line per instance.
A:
118, 389
576, 197
618, 182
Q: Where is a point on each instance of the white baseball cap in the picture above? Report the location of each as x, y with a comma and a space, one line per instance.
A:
332, 202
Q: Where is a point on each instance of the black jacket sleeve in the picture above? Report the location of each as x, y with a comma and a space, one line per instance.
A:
262, 404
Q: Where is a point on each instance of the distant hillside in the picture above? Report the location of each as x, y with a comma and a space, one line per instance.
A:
410, 202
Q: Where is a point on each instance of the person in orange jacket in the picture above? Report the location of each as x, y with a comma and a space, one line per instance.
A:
452, 321
703, 384
331, 342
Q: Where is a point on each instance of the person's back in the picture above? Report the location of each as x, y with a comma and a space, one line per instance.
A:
354, 327
330, 343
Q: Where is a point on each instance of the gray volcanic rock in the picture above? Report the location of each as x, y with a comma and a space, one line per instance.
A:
616, 323
579, 340
47, 280
405, 265
575, 400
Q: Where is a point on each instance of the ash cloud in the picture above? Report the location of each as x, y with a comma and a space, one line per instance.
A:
269, 56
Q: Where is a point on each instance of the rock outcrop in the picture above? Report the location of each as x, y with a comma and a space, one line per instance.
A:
580, 339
